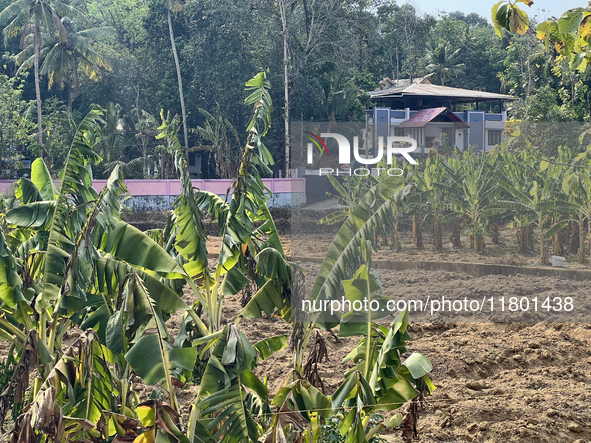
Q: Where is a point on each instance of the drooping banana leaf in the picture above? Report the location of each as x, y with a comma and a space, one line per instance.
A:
129, 244
71, 212
10, 281
38, 214
373, 212
152, 358
269, 346
242, 240
26, 192
78, 389
222, 389
190, 237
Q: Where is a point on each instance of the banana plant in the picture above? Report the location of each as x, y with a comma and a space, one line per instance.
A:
471, 186
224, 386
381, 380
556, 171
542, 203
577, 186
245, 248
76, 262
250, 253
428, 198
348, 194
519, 171
343, 271
301, 407
373, 213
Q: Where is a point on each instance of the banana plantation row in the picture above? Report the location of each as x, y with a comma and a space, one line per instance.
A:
476, 192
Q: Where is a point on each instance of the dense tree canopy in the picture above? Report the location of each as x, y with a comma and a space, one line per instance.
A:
336, 50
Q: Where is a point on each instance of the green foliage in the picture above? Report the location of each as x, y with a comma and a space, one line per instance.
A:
331, 67
84, 265
223, 137
442, 62
331, 434
7, 367
15, 125
59, 128
348, 194
373, 212
126, 17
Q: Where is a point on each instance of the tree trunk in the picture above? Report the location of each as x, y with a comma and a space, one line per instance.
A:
438, 237
588, 235
180, 80
69, 86
478, 243
495, 230
525, 239
71, 96
285, 85
417, 234
37, 45
520, 239
457, 238
556, 244
142, 136
395, 239
542, 240
530, 238
581, 239
575, 237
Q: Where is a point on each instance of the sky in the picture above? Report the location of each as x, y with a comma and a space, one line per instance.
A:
483, 7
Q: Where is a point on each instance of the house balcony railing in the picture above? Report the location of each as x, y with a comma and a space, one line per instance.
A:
401, 114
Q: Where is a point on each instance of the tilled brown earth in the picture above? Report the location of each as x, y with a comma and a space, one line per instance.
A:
497, 382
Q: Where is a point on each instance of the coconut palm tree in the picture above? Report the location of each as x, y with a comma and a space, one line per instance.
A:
442, 62
67, 52
32, 17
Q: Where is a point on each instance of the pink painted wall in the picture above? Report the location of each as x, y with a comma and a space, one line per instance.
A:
173, 187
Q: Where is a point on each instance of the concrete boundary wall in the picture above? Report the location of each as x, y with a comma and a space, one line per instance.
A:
158, 195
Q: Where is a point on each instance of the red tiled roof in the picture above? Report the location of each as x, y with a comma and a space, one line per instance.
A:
424, 116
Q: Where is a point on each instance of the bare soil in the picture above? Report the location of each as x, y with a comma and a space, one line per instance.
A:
526, 380
496, 382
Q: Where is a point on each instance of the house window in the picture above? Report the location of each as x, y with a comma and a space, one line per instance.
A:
191, 159
494, 137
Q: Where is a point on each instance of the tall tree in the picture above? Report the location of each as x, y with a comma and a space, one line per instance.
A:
282, 12
176, 6
31, 17
66, 53
442, 62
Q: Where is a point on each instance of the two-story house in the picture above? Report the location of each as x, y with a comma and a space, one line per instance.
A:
425, 111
